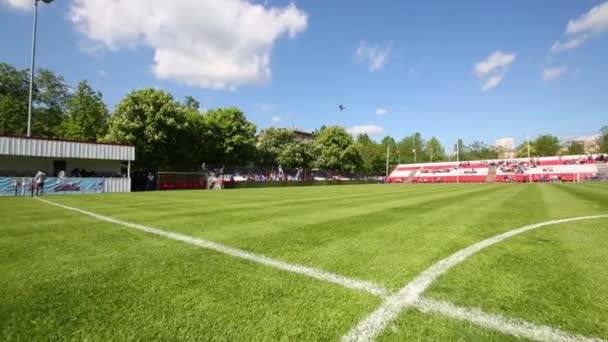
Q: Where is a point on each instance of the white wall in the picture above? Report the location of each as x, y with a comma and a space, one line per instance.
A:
25, 166
117, 185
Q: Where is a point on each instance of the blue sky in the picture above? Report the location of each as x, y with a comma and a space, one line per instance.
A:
479, 70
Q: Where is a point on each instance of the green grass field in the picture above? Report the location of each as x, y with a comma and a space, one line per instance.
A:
68, 276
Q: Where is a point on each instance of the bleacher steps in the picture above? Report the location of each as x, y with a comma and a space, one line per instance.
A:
491, 174
410, 178
602, 171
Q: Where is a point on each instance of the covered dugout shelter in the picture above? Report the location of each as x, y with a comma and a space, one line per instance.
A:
72, 167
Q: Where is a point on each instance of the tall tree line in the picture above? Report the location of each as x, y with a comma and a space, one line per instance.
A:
170, 135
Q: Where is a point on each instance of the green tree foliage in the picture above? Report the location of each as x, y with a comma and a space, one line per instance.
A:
412, 149
271, 143
191, 103
14, 92
522, 150
87, 115
576, 147
157, 126
229, 137
462, 150
546, 145
373, 155
603, 140
336, 150
434, 150
480, 151
50, 101
296, 153
394, 152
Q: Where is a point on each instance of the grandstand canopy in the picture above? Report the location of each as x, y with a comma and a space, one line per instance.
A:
21, 156
52, 148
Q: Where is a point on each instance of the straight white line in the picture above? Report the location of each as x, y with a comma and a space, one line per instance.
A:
368, 328
509, 326
355, 284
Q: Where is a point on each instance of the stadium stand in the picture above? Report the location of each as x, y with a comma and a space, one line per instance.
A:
546, 169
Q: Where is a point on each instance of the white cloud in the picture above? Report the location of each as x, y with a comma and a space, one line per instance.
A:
375, 56
20, 4
492, 82
551, 74
201, 43
594, 22
492, 70
381, 111
267, 107
568, 44
497, 61
276, 119
372, 130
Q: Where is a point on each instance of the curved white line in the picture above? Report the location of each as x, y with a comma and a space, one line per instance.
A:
368, 328
510, 326
514, 327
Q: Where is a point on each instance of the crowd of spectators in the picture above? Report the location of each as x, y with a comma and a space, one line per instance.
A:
434, 171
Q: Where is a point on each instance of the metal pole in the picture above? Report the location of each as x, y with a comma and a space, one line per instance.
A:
457, 161
529, 162
388, 149
128, 169
29, 107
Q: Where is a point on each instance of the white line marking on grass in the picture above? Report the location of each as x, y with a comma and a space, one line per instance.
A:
510, 326
409, 296
355, 284
368, 328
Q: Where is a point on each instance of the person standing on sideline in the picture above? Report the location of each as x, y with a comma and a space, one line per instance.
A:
39, 182
150, 182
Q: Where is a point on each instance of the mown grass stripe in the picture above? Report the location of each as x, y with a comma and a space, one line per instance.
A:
368, 328
295, 268
509, 326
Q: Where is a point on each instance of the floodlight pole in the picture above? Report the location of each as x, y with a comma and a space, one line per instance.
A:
29, 107
388, 149
529, 162
457, 161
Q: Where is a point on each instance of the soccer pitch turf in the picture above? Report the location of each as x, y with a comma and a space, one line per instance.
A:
71, 275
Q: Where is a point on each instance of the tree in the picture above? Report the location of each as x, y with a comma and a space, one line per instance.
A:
50, 104
271, 143
229, 137
14, 88
395, 151
191, 103
522, 150
576, 147
373, 155
461, 147
336, 150
157, 126
434, 150
412, 149
546, 145
479, 151
603, 140
87, 115
296, 154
